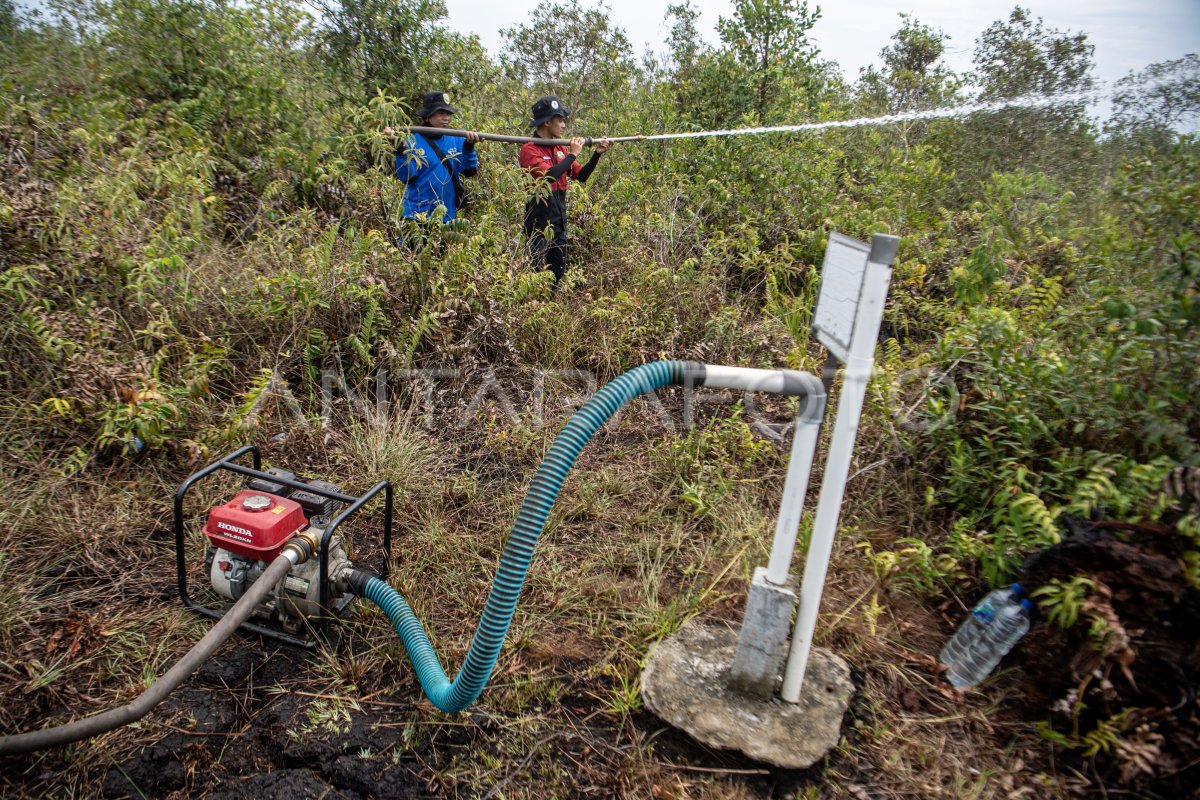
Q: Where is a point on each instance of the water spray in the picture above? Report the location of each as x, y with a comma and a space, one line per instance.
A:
1028, 102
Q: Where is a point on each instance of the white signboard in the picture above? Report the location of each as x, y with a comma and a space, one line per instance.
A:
841, 293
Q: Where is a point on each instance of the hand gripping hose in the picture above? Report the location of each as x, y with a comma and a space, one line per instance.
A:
140, 707
518, 550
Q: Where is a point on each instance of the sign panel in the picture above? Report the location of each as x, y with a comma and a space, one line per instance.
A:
841, 293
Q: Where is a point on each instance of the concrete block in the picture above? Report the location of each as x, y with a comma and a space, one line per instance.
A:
686, 683
762, 643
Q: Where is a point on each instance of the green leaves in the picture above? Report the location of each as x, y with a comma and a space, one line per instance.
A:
374, 45
1021, 56
570, 51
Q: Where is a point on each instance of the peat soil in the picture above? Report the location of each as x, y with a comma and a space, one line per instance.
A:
1131, 663
264, 720
244, 738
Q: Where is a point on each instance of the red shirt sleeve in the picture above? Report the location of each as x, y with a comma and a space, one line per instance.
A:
575, 169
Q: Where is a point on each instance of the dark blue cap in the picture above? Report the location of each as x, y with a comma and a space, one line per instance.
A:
433, 102
547, 109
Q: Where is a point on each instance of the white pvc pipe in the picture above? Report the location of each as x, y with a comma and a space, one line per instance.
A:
829, 507
804, 444
744, 378
837, 466
795, 488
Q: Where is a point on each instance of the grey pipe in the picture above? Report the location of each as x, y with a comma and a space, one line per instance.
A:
500, 137
158, 691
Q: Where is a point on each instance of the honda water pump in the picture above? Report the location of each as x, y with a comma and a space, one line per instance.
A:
248, 531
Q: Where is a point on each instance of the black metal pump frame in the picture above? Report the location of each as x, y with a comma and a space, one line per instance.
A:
354, 504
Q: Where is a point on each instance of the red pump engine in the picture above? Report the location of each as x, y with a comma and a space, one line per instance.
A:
251, 530
246, 533
255, 525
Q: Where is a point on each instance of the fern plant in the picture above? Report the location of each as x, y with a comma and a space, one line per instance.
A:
1062, 600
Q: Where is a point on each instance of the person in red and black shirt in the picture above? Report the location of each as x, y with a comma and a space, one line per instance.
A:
551, 165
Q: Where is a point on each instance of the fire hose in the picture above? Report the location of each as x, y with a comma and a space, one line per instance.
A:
1026, 101
296, 552
501, 137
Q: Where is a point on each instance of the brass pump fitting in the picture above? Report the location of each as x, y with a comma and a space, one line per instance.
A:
303, 544
313, 537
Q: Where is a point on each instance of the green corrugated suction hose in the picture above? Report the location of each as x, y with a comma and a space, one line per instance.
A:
518, 551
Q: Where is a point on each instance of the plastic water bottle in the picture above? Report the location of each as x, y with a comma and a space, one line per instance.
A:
994, 626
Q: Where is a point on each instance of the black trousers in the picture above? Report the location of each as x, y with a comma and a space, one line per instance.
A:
546, 227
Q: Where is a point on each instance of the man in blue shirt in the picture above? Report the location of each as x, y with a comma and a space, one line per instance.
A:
433, 166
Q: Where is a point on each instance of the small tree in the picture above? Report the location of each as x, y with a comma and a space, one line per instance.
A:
9, 21
570, 51
1152, 104
1023, 57
377, 44
1018, 59
685, 43
769, 39
913, 75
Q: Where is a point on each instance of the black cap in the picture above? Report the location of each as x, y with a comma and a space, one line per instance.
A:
433, 102
547, 109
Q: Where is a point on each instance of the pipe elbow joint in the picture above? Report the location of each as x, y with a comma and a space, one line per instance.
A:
797, 383
810, 390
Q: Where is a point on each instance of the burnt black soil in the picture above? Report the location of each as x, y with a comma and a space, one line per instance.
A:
234, 734
237, 735
1146, 669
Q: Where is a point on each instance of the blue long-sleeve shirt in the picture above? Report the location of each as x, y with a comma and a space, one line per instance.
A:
430, 182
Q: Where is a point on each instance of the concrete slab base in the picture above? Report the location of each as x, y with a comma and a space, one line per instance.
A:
685, 682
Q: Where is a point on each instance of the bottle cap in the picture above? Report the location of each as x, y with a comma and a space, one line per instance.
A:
1027, 604
1017, 589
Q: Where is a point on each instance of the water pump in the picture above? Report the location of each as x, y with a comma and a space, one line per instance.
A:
248, 531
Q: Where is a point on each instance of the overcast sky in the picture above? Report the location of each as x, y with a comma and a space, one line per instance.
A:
1127, 35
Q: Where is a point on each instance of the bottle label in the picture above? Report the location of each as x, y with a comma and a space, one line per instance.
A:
984, 613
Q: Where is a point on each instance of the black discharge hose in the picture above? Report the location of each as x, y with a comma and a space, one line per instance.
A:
158, 691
